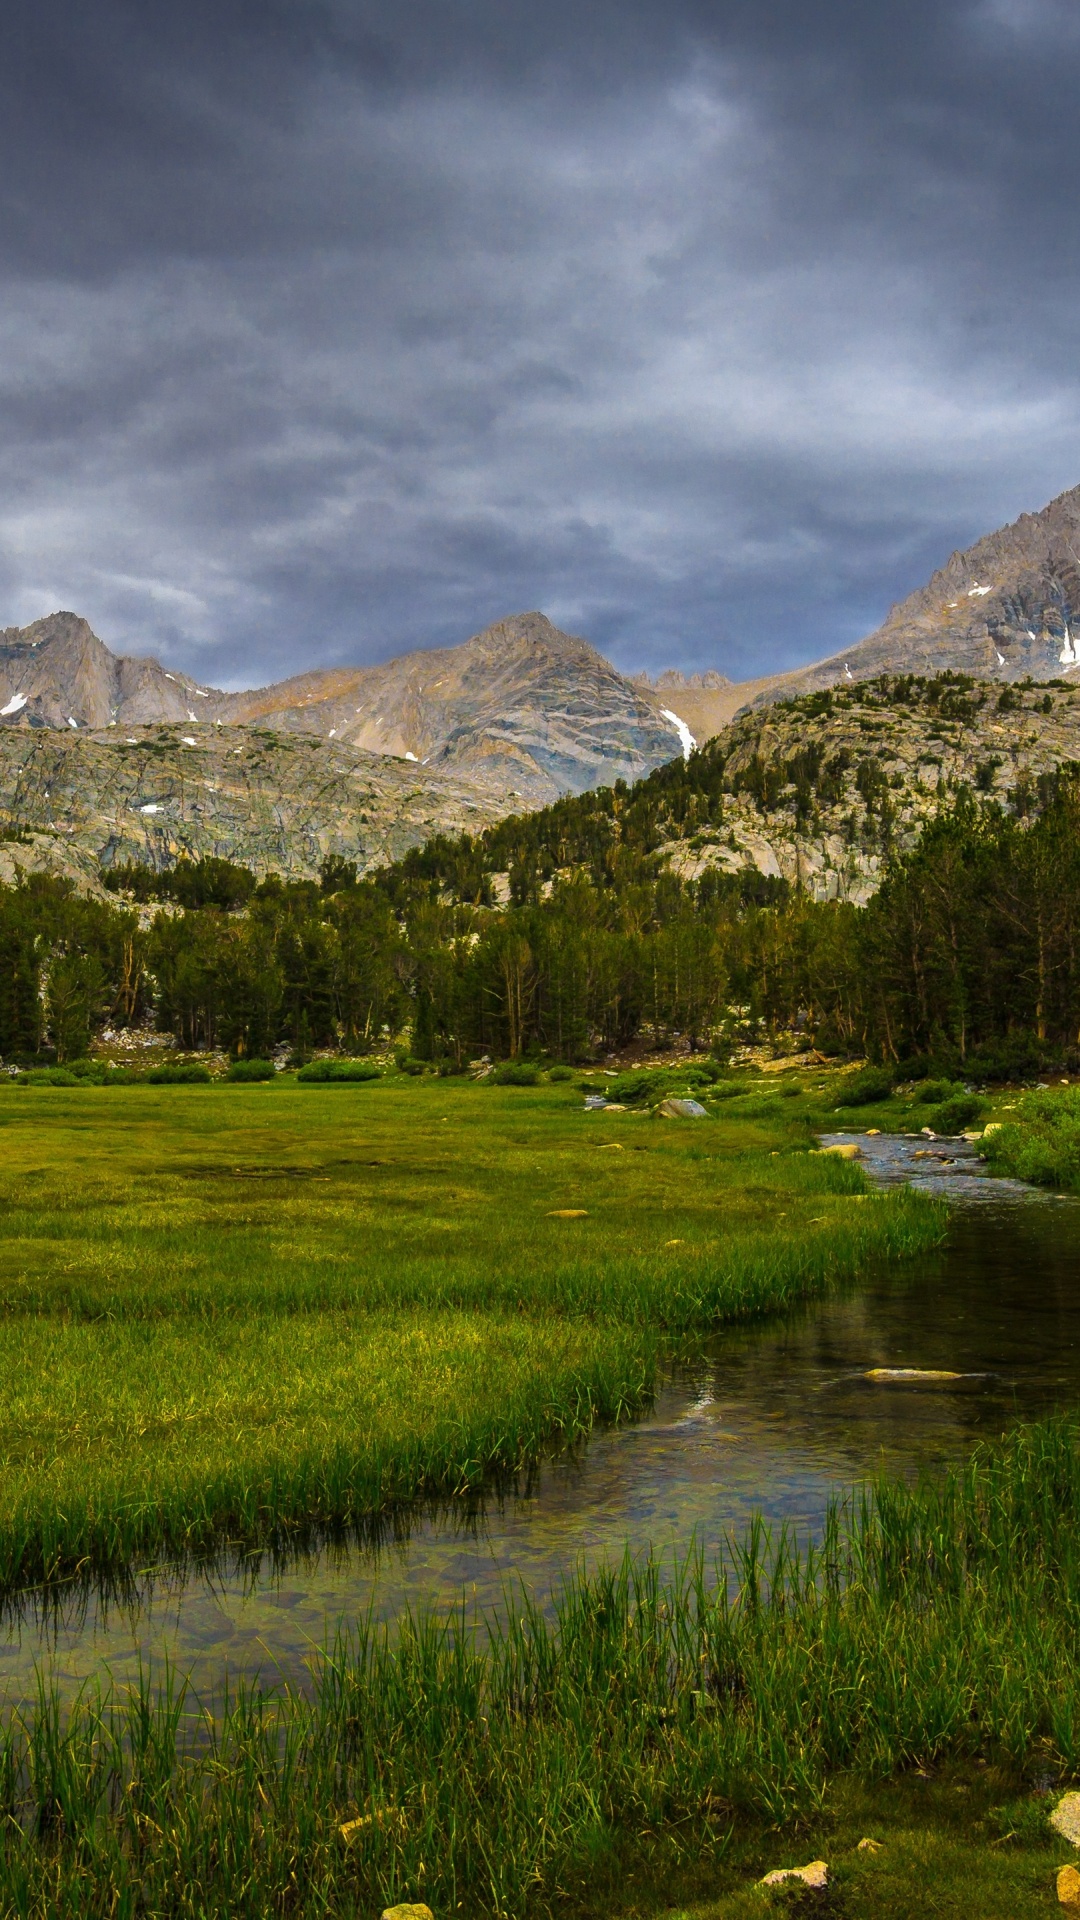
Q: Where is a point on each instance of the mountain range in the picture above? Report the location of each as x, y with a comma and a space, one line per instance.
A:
108, 757
522, 705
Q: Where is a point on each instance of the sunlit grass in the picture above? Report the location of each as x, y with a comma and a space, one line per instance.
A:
225, 1311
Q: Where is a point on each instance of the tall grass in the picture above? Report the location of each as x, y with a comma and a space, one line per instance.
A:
487, 1772
238, 1319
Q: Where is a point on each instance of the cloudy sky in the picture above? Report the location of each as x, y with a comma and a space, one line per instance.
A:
332, 328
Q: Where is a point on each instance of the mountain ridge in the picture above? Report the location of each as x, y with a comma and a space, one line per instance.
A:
521, 702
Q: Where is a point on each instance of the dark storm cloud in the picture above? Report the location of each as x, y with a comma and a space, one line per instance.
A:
328, 330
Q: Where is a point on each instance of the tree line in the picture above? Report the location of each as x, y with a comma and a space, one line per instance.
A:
968, 955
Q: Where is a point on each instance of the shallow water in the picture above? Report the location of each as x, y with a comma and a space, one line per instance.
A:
772, 1418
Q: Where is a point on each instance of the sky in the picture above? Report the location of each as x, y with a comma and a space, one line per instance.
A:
331, 329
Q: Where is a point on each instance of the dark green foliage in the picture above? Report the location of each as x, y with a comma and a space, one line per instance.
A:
248, 1070
865, 1088
181, 1075
516, 1074
931, 1092
209, 882
635, 1088
956, 1114
1042, 1143
339, 1072
559, 1073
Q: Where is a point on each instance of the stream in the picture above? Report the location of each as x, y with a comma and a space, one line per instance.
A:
771, 1418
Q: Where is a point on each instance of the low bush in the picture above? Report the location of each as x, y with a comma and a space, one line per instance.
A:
1043, 1143
961, 1111
866, 1088
557, 1074
633, 1089
49, 1077
187, 1074
405, 1063
338, 1073
515, 1073
932, 1092
249, 1070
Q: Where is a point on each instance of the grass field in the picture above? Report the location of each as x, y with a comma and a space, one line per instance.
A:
652, 1750
227, 1312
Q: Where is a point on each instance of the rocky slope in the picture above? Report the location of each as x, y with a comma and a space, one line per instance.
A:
276, 802
522, 705
1006, 609
819, 788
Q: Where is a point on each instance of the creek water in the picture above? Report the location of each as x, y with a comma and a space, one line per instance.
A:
773, 1418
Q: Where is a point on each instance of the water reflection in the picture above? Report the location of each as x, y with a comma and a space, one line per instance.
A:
771, 1419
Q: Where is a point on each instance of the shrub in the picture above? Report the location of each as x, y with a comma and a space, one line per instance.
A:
406, 1063
338, 1073
1043, 1143
252, 1070
49, 1077
955, 1114
864, 1089
185, 1075
516, 1073
634, 1088
560, 1073
933, 1092
731, 1089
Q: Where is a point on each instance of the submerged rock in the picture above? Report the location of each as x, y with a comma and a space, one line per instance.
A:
914, 1374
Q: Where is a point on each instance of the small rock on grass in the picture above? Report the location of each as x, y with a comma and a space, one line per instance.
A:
815, 1875
682, 1110
1068, 1889
407, 1912
1065, 1818
868, 1846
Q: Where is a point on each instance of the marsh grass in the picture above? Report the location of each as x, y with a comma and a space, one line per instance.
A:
231, 1313
672, 1711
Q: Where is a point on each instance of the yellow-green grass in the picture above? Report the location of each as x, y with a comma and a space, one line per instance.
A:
227, 1311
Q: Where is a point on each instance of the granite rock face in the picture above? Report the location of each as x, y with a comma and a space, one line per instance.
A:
522, 706
276, 802
908, 757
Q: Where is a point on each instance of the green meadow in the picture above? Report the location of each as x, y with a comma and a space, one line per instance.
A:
232, 1313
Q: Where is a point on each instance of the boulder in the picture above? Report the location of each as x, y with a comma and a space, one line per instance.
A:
1068, 1889
815, 1875
1065, 1818
673, 1109
844, 1150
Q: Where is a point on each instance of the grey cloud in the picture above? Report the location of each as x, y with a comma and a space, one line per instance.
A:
326, 331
